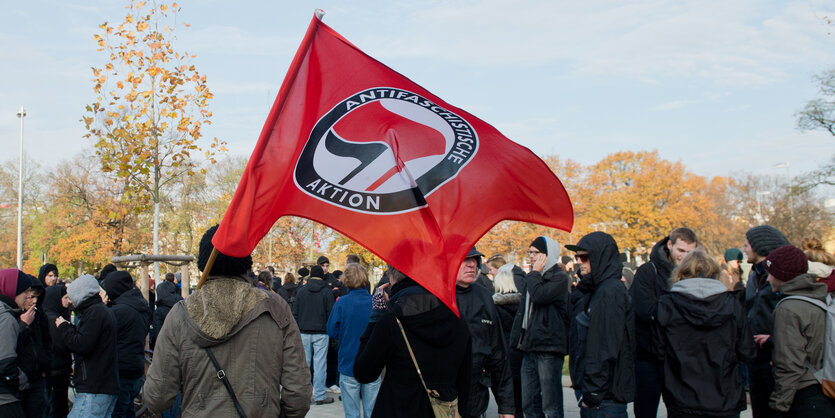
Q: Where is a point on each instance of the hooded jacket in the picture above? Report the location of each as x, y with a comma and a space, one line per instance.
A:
132, 323
799, 328
61, 362
440, 342
606, 348
255, 341
167, 296
702, 336
288, 292
652, 280
760, 301
541, 323
313, 305
490, 365
93, 341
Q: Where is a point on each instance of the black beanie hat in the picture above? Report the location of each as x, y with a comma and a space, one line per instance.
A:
24, 281
786, 263
765, 238
539, 244
110, 268
224, 265
117, 283
317, 271
322, 260
304, 272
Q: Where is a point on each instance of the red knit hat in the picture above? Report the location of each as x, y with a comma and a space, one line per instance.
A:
786, 263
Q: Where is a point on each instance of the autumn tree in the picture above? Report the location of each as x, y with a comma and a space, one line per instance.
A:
151, 104
819, 113
32, 191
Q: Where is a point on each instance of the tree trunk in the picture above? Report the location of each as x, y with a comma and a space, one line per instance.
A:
156, 240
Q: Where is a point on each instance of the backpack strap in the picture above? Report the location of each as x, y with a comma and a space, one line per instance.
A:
222, 376
813, 301
414, 360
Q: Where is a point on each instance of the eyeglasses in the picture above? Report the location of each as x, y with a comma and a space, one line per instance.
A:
534, 252
582, 258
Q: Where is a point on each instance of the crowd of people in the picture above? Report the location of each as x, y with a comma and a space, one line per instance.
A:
685, 326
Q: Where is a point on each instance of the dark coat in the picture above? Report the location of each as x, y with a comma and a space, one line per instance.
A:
490, 365
131, 312
507, 304
607, 346
760, 302
702, 336
313, 305
61, 362
547, 329
288, 292
440, 342
652, 280
167, 296
94, 343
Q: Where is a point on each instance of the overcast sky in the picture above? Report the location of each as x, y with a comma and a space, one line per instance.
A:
714, 84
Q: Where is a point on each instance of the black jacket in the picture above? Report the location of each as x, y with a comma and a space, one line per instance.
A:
507, 304
547, 329
440, 342
652, 280
313, 306
94, 343
288, 292
131, 312
167, 296
607, 345
61, 361
490, 365
760, 302
702, 336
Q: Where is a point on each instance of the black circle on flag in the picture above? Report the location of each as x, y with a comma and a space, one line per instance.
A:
383, 150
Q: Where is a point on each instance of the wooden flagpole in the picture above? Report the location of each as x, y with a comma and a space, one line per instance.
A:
208, 267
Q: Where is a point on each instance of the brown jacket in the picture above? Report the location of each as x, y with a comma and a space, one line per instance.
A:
799, 328
255, 340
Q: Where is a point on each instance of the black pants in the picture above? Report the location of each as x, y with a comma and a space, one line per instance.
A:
332, 375
675, 414
811, 402
32, 399
60, 404
647, 388
761, 384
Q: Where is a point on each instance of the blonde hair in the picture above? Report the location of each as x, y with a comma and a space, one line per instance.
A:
496, 261
355, 276
696, 264
503, 282
814, 251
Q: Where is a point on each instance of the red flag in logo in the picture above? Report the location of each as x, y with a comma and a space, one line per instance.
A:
354, 145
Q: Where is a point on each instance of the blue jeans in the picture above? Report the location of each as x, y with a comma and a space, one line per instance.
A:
356, 394
89, 405
128, 389
316, 350
647, 389
542, 384
606, 409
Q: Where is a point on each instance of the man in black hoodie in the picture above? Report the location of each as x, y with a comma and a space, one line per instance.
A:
651, 281
132, 313
760, 301
94, 343
311, 310
606, 347
167, 296
540, 330
490, 366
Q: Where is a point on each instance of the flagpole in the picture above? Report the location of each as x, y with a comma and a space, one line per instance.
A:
208, 267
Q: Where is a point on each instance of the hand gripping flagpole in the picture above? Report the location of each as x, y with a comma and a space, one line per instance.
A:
208, 267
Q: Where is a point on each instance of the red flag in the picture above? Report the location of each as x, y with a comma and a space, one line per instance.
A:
354, 145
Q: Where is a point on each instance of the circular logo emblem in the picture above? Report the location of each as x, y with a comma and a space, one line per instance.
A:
383, 150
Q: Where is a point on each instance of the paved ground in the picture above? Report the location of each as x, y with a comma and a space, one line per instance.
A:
334, 410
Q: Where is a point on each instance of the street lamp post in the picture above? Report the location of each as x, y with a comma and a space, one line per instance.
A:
21, 114
791, 198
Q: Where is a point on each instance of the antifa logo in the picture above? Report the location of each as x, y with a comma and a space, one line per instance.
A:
382, 151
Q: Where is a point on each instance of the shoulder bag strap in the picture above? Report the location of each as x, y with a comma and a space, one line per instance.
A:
412, 354
221, 375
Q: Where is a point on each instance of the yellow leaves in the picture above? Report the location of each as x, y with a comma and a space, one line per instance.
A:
108, 66
101, 79
141, 26
120, 85
88, 120
140, 4
163, 7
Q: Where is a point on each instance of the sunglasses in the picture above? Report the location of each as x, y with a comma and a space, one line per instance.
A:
582, 258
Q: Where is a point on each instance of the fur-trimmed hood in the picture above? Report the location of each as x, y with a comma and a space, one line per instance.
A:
219, 307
